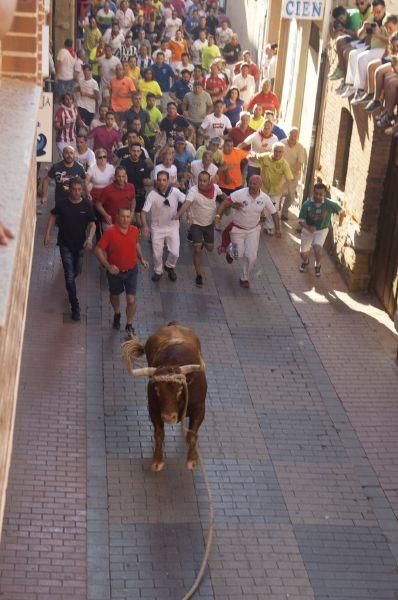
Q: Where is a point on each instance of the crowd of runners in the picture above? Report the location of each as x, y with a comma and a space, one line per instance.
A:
163, 119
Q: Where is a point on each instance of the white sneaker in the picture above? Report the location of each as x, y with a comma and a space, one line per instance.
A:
350, 91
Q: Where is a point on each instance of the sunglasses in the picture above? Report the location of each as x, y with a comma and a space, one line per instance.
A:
102, 156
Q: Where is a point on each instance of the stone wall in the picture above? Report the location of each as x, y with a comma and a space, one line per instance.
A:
368, 151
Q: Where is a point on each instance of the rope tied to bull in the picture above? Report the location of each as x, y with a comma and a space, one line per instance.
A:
182, 380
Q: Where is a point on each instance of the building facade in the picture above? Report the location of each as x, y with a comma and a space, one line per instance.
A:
24, 30
345, 150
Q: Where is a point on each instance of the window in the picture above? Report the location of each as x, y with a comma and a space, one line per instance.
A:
343, 149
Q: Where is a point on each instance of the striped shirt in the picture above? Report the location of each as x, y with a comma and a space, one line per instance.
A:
65, 121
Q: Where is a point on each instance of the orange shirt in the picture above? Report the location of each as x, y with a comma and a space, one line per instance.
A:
177, 48
233, 161
121, 86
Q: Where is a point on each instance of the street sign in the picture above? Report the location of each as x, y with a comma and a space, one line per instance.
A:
303, 9
44, 143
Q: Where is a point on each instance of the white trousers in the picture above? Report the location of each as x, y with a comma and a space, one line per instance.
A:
269, 221
171, 237
358, 66
247, 241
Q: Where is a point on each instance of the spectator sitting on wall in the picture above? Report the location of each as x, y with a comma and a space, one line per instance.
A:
346, 24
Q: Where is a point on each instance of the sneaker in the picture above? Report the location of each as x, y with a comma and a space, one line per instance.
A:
268, 231
116, 321
341, 88
372, 106
76, 314
244, 283
130, 330
337, 74
171, 273
393, 130
229, 258
349, 92
318, 271
199, 280
303, 266
358, 98
156, 276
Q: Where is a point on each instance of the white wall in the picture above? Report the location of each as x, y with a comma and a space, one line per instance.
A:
248, 18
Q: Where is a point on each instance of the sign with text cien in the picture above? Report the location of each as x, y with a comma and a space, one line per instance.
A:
44, 140
303, 9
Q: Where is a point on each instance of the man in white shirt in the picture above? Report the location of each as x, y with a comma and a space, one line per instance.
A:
125, 17
245, 84
166, 51
88, 91
242, 235
296, 156
216, 124
167, 165
114, 37
259, 141
197, 46
107, 70
172, 25
223, 35
84, 155
202, 207
66, 59
163, 203
203, 164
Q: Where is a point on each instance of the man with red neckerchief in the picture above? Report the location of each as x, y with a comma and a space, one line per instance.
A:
118, 251
202, 207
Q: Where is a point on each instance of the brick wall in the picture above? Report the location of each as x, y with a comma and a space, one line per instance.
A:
354, 243
22, 46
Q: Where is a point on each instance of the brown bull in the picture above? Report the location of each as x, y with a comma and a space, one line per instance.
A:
172, 351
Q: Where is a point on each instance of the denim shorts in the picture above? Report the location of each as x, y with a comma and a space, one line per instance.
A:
123, 282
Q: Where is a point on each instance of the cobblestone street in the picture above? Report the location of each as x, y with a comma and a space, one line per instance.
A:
299, 440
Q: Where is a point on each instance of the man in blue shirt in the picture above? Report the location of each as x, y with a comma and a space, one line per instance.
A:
165, 77
181, 87
278, 131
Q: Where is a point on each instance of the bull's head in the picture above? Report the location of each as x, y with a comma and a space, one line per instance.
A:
167, 384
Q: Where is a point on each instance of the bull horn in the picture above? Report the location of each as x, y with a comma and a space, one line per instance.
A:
185, 369
145, 372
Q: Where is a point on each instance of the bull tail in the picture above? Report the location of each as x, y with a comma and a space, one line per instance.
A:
131, 350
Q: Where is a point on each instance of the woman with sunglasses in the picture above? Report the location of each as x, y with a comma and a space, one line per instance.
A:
99, 175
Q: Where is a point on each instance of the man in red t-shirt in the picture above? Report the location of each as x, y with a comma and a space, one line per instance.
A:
118, 251
118, 194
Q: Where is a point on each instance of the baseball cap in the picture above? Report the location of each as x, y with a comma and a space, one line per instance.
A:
215, 140
179, 138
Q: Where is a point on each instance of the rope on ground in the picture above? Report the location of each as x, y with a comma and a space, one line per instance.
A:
180, 378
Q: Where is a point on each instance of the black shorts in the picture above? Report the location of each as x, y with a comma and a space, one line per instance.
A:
202, 233
123, 282
139, 202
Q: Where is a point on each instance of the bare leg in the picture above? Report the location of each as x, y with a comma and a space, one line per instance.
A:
196, 258
115, 302
318, 255
130, 308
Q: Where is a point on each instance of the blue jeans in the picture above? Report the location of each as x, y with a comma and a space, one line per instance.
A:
72, 263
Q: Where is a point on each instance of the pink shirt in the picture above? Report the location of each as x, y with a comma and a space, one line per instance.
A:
105, 138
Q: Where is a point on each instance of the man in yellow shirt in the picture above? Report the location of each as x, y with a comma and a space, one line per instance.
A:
274, 171
257, 119
209, 53
148, 84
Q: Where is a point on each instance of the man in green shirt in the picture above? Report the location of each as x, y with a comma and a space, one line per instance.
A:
155, 116
346, 23
274, 172
314, 218
209, 53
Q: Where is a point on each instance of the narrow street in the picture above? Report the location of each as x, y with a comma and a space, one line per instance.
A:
299, 439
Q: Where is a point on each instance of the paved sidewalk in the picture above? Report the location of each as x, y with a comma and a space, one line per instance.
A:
299, 441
